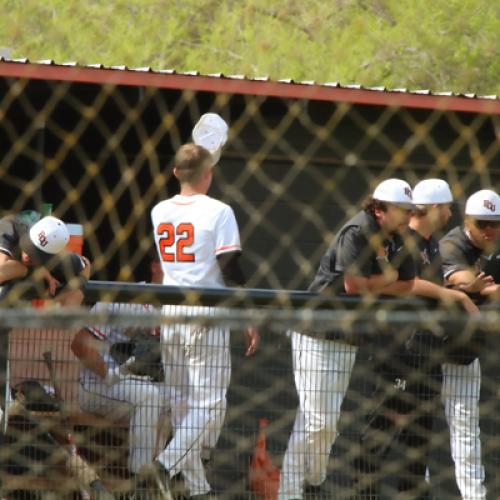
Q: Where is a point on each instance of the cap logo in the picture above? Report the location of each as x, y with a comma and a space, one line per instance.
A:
489, 205
408, 193
42, 239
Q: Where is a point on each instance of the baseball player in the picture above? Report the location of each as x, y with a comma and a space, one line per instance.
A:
108, 388
469, 264
198, 244
34, 247
432, 199
366, 257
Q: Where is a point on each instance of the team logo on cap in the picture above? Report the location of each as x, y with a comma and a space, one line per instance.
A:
489, 205
408, 193
42, 239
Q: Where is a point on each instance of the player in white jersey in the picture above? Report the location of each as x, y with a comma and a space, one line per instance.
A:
198, 242
107, 388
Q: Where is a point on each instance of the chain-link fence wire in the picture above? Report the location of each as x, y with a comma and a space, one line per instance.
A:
392, 436
294, 170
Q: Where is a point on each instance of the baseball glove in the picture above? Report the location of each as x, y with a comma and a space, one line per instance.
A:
146, 350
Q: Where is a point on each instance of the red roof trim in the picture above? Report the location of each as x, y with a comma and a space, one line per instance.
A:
84, 74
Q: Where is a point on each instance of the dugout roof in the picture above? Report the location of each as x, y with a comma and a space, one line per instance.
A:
240, 84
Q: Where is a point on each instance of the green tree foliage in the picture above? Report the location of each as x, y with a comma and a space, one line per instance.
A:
437, 44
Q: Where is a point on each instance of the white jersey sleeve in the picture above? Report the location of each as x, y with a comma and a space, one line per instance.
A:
113, 333
227, 235
101, 332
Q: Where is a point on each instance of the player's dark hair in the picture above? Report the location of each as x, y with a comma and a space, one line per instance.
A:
370, 205
190, 162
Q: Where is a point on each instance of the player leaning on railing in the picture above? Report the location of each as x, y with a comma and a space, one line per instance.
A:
34, 249
198, 242
470, 262
419, 360
367, 257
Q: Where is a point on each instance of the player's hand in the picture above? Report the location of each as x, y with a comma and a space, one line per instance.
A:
252, 340
85, 272
51, 282
114, 375
481, 281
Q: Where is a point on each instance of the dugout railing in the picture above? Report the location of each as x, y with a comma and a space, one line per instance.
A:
262, 387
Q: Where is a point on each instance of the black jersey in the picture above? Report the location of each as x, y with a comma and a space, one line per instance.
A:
360, 250
428, 263
12, 228
458, 254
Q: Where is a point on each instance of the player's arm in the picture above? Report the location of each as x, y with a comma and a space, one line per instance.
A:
11, 269
230, 268
227, 237
353, 258
376, 283
74, 270
424, 288
233, 275
86, 348
467, 281
458, 272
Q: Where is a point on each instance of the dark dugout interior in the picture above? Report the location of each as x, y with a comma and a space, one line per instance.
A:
293, 170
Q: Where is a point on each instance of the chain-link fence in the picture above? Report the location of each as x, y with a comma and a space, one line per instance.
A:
69, 431
356, 397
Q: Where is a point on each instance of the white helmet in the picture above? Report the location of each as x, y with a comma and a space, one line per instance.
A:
432, 192
46, 238
394, 191
483, 205
211, 133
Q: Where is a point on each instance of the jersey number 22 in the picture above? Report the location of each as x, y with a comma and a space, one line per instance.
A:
175, 242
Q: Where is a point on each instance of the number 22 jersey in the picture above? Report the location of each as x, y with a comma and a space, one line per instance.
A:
190, 232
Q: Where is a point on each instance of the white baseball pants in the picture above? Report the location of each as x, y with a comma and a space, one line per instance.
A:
133, 397
178, 401
198, 364
322, 369
460, 396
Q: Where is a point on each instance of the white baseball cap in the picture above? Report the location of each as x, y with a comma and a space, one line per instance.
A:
211, 133
432, 192
394, 191
483, 205
46, 238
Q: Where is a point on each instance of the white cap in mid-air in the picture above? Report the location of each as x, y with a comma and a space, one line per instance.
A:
211, 133
394, 191
483, 205
432, 192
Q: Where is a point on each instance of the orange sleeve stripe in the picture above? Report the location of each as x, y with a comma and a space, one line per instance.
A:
96, 332
183, 203
226, 248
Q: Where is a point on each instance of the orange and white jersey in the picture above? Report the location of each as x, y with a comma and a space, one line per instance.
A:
190, 232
